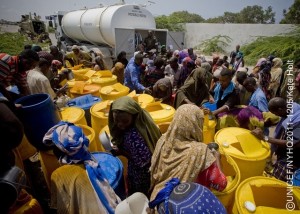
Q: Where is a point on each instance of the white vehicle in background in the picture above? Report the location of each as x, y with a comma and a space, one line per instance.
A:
110, 29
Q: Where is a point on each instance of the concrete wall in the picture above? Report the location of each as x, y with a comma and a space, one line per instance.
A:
239, 33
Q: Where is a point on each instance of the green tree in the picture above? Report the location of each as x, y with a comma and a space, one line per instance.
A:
215, 44
250, 14
228, 17
293, 14
256, 14
175, 21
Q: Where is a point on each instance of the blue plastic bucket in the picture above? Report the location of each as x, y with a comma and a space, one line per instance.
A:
210, 106
113, 169
85, 102
38, 114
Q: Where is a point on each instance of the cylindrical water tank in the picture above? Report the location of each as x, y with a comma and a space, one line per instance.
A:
98, 25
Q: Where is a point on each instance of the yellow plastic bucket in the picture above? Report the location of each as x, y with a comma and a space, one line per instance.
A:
163, 127
80, 73
209, 128
73, 115
87, 89
90, 134
25, 149
142, 99
104, 78
49, 163
160, 112
265, 195
113, 92
233, 175
248, 152
99, 119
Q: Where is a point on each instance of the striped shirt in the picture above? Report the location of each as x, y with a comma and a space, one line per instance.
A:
9, 73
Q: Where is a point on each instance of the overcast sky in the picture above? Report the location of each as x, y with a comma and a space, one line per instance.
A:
13, 9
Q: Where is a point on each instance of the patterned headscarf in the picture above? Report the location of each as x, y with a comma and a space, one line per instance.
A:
71, 140
186, 197
179, 152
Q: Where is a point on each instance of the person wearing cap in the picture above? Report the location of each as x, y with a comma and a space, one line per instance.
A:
13, 69
77, 56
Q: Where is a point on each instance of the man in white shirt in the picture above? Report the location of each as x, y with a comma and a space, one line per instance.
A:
37, 81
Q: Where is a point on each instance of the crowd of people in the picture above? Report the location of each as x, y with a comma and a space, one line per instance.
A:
252, 99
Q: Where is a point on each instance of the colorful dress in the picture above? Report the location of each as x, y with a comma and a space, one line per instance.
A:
138, 162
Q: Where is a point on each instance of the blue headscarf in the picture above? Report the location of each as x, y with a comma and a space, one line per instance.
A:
71, 140
188, 197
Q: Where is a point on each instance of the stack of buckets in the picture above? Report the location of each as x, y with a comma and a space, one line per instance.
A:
209, 125
246, 151
99, 119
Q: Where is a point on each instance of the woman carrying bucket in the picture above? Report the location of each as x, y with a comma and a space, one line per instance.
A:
180, 153
134, 135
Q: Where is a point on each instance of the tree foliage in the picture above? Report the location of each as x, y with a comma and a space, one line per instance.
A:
216, 44
175, 21
285, 47
293, 14
250, 14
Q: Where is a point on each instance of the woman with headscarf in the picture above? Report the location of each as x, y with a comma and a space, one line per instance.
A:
134, 135
80, 182
276, 73
156, 73
180, 153
122, 58
194, 91
186, 197
162, 90
208, 74
99, 63
188, 65
118, 70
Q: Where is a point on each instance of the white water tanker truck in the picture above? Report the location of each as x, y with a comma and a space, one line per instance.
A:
110, 29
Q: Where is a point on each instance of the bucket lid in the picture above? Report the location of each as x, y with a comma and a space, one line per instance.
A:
114, 89
72, 114
111, 166
210, 106
84, 102
82, 88
159, 111
240, 143
101, 109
